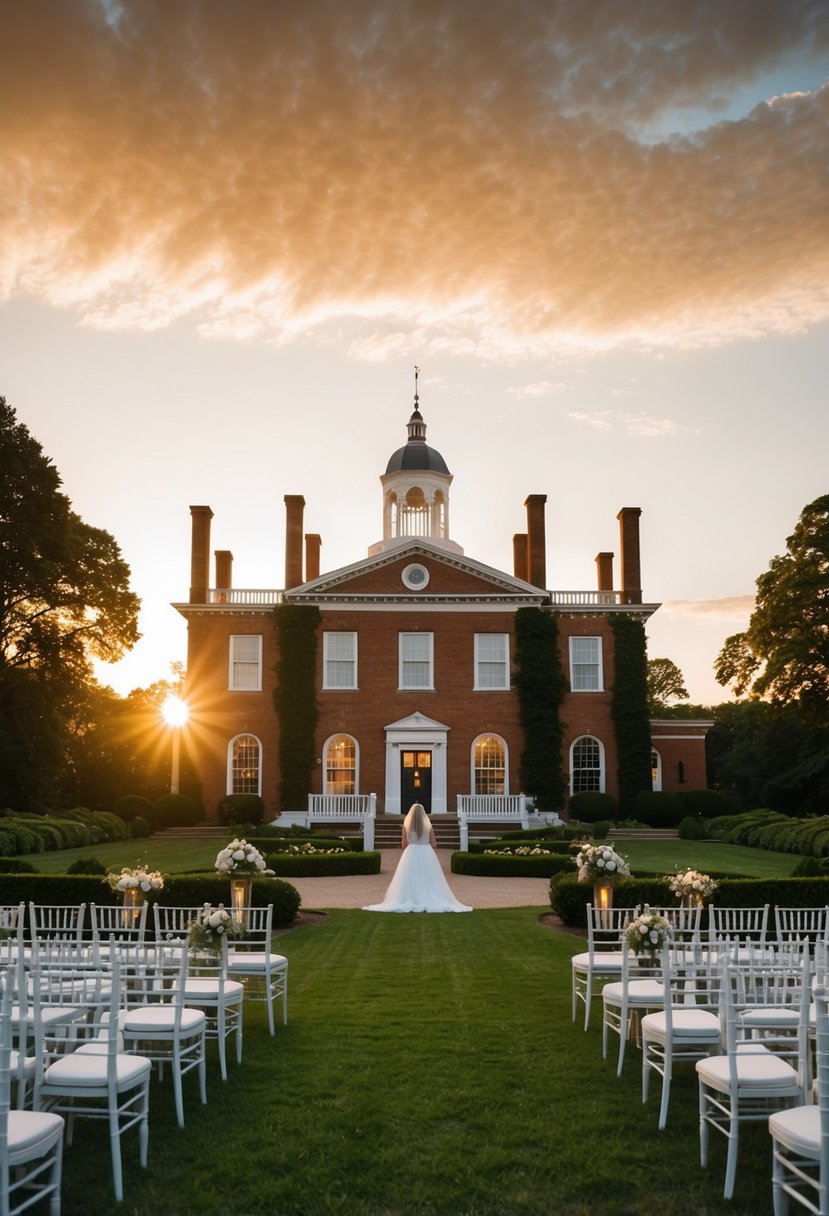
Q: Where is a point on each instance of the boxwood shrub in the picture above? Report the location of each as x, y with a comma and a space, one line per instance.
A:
569, 897
322, 865
179, 889
502, 866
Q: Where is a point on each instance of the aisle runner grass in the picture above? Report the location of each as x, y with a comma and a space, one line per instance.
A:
429, 1066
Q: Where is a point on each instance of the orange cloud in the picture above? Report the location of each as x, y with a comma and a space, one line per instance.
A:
456, 175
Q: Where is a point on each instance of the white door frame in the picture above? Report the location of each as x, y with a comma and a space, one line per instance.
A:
422, 734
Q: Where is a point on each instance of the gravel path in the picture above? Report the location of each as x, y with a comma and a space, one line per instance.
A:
357, 890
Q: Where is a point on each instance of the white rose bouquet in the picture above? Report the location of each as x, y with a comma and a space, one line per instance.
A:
205, 933
601, 863
691, 882
138, 877
239, 857
648, 933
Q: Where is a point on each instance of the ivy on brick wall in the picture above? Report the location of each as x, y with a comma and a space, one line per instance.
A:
539, 682
630, 710
295, 701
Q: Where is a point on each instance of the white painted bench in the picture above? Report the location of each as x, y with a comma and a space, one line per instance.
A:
490, 808
344, 808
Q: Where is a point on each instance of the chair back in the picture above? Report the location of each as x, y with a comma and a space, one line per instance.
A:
606, 927
738, 924
62, 922
811, 924
821, 999
76, 1007
256, 931
754, 984
685, 922
171, 922
112, 921
12, 917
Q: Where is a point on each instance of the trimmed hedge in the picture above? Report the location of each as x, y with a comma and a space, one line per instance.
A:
569, 897
337, 865
591, 806
183, 889
564, 847
543, 866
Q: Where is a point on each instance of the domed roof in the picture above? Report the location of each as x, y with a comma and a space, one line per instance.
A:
416, 453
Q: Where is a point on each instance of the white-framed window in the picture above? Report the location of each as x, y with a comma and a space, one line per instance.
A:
339, 660
489, 765
416, 660
587, 772
586, 665
339, 757
491, 661
244, 765
245, 673
656, 770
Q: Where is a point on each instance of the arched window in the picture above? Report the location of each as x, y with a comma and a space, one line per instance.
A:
586, 765
489, 765
244, 765
656, 770
340, 764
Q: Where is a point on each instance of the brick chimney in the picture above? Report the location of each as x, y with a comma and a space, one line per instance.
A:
199, 553
519, 555
313, 544
536, 541
631, 565
604, 571
224, 569
294, 507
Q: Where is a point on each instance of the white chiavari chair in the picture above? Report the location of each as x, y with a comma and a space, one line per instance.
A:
251, 959
592, 968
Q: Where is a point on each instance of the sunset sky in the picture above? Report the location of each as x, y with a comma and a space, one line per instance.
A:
230, 228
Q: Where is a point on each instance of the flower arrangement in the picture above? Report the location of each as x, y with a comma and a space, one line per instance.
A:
205, 933
691, 882
647, 934
239, 857
521, 850
139, 878
600, 863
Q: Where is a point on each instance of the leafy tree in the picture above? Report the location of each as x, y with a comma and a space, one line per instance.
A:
762, 756
64, 599
665, 683
783, 655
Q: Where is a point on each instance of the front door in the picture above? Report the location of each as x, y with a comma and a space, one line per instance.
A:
415, 780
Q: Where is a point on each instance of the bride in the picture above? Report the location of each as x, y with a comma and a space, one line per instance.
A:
418, 884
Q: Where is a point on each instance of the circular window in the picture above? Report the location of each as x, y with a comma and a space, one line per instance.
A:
415, 577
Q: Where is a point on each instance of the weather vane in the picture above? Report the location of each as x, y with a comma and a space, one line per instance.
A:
417, 372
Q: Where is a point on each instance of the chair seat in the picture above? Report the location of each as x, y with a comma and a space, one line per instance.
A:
698, 1024
199, 989
640, 992
88, 1067
797, 1129
30, 1128
768, 1016
603, 960
757, 1067
50, 1015
256, 961
160, 1018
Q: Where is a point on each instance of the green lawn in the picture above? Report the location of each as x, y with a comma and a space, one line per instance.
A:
175, 854
429, 1066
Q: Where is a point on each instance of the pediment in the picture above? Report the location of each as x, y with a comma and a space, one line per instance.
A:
451, 577
417, 722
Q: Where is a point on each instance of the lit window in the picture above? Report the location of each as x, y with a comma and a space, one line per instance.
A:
656, 770
489, 765
340, 759
586, 665
339, 660
245, 663
416, 660
491, 661
245, 764
586, 766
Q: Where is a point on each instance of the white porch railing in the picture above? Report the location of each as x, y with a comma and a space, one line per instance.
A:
344, 808
490, 808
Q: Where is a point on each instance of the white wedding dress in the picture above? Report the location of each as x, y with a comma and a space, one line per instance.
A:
418, 884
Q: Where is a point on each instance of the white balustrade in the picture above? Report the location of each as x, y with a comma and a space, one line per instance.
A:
490, 808
344, 808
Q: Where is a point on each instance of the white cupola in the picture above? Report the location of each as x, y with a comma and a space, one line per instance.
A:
416, 491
